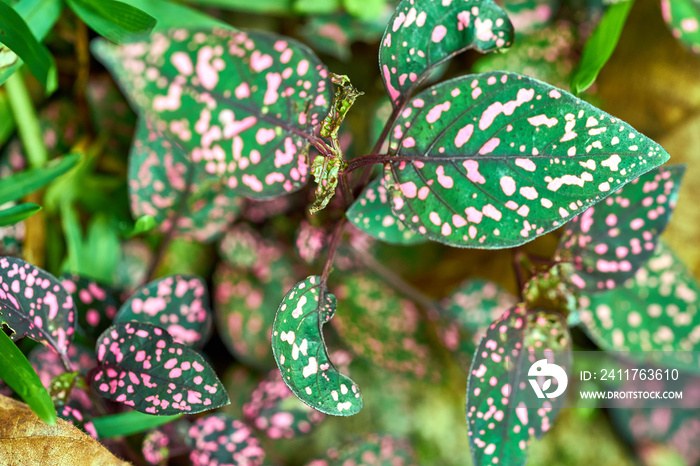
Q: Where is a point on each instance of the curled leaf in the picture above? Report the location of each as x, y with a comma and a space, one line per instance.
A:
301, 354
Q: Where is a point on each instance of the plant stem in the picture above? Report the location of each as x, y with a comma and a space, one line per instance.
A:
332, 249
27, 122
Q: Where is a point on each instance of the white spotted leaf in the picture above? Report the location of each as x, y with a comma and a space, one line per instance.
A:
34, 304
654, 311
300, 350
496, 159
242, 105
612, 239
141, 366
503, 412
421, 35
371, 213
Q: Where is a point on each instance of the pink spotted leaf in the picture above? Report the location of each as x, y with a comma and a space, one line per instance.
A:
33, 303
371, 212
273, 409
503, 412
683, 19
177, 303
654, 311
371, 450
300, 350
467, 313
529, 16
383, 327
164, 184
95, 303
423, 34
245, 302
496, 159
142, 367
222, 440
610, 240
243, 105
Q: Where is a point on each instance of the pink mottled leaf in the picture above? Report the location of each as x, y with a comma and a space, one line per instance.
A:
33, 303
178, 303
612, 239
371, 450
164, 184
496, 159
141, 366
503, 412
383, 327
243, 105
300, 350
529, 16
273, 409
654, 311
224, 441
467, 313
245, 302
422, 35
96, 304
683, 19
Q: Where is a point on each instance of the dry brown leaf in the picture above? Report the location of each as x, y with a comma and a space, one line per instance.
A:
26, 440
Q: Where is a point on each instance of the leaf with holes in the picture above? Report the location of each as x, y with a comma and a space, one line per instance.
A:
383, 327
422, 35
503, 413
300, 350
245, 304
371, 450
218, 439
468, 312
96, 304
656, 310
243, 105
683, 19
34, 304
163, 183
612, 239
497, 159
141, 366
372, 214
273, 409
178, 303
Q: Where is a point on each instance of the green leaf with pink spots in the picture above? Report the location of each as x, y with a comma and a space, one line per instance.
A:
300, 350
141, 366
242, 105
656, 310
371, 450
178, 303
34, 304
220, 439
95, 303
372, 214
468, 312
273, 409
164, 184
612, 239
503, 411
422, 35
383, 327
529, 16
496, 159
683, 19
245, 302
